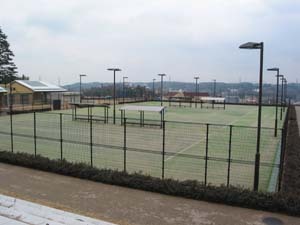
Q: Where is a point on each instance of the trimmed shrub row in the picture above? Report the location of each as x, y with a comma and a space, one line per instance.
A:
274, 202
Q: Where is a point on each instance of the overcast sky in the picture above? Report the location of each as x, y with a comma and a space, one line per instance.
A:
59, 39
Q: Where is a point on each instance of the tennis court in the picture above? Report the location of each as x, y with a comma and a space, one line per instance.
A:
202, 144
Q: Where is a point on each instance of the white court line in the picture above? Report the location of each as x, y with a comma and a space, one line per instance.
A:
192, 145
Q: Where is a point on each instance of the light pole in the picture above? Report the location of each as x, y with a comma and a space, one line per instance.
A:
282, 91
80, 77
260, 46
153, 90
276, 107
161, 87
124, 88
114, 92
214, 80
196, 95
285, 92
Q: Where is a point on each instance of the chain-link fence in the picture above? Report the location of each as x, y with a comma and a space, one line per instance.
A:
210, 153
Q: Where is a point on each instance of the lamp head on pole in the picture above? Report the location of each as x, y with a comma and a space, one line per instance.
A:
162, 74
196, 78
251, 45
273, 69
114, 69
82, 75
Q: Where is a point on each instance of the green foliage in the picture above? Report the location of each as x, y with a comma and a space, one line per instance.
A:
274, 202
7, 66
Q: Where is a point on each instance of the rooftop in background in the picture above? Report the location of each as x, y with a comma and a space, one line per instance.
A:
185, 94
40, 86
216, 99
143, 108
2, 90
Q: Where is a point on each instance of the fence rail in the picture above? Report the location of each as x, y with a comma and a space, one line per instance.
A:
210, 153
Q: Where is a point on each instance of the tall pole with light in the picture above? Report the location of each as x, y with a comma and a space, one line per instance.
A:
281, 101
215, 83
114, 91
80, 92
153, 90
284, 94
276, 106
123, 89
260, 46
196, 95
162, 75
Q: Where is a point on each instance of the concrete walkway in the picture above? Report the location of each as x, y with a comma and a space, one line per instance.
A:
14, 211
125, 206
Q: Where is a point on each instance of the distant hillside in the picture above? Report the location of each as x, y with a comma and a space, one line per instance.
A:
225, 89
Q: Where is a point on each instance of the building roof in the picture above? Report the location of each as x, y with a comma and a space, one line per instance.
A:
216, 99
40, 86
143, 108
186, 94
2, 90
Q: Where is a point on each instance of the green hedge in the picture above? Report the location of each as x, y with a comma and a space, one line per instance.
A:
274, 202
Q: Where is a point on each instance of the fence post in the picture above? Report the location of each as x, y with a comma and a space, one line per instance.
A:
125, 144
34, 132
229, 154
206, 154
61, 135
11, 132
91, 139
163, 150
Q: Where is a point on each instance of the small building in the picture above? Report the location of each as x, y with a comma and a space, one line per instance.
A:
2, 98
32, 95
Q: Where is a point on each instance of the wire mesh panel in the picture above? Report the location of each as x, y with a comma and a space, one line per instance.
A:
5, 137
23, 129
108, 145
76, 139
185, 150
48, 135
218, 154
144, 147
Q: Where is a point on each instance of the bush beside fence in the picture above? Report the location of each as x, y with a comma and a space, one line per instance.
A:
273, 202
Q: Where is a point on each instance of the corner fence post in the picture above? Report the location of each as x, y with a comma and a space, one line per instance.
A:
61, 135
229, 155
206, 154
91, 139
125, 143
163, 150
11, 132
34, 132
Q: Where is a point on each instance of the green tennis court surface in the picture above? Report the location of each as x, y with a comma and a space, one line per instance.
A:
186, 142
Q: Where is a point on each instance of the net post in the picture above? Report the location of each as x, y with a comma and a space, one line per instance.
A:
206, 154
125, 143
163, 151
34, 132
61, 135
91, 140
229, 155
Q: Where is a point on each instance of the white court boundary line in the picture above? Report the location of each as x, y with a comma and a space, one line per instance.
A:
192, 145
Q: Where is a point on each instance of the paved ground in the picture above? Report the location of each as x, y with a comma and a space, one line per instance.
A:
14, 211
125, 206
